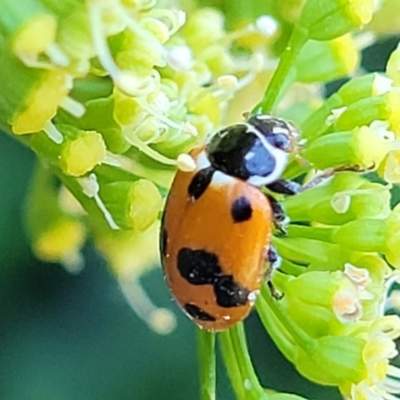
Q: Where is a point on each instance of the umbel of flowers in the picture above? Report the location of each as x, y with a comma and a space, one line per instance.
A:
112, 94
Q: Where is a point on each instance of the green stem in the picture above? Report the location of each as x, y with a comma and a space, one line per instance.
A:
296, 42
231, 364
279, 334
311, 232
295, 169
291, 268
301, 338
239, 366
88, 203
206, 355
250, 380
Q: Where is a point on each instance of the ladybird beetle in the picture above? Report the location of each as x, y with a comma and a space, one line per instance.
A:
217, 223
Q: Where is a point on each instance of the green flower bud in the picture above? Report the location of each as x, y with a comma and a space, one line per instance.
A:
318, 121
333, 361
378, 349
355, 89
385, 107
81, 154
29, 26
328, 20
364, 86
203, 28
75, 39
326, 300
377, 268
78, 154
310, 232
318, 255
324, 61
371, 235
127, 111
360, 147
42, 103
137, 52
346, 197
34, 97
133, 205
98, 117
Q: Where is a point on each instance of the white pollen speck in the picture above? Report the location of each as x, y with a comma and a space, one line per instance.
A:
186, 163
266, 25
180, 58
252, 296
247, 384
226, 317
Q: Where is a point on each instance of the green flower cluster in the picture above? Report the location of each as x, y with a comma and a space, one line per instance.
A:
112, 94
341, 251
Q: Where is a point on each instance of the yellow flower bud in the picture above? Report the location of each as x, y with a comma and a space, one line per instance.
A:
42, 103
82, 154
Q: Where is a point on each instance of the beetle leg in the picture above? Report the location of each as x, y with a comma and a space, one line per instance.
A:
328, 173
278, 215
274, 261
284, 186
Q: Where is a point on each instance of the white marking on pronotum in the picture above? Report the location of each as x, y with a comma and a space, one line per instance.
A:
281, 159
277, 130
202, 161
221, 179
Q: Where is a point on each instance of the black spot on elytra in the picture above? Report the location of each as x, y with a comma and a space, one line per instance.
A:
241, 209
200, 182
198, 267
197, 313
229, 293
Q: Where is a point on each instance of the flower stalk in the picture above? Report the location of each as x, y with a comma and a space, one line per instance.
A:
207, 365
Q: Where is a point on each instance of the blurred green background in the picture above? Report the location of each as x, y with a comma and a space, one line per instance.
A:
73, 337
